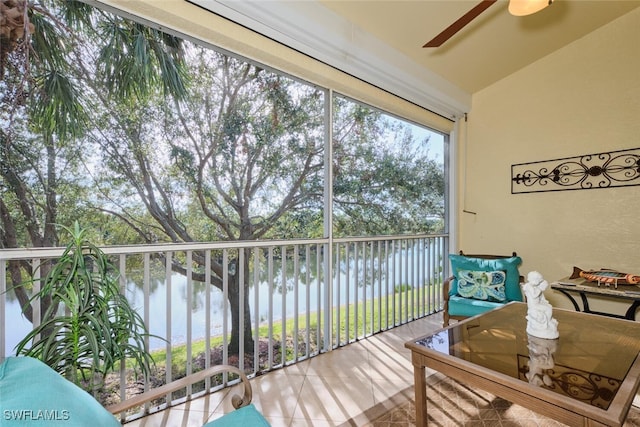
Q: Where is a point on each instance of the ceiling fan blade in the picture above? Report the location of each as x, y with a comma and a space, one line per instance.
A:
459, 24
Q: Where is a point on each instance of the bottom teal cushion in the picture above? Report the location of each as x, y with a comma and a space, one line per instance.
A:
33, 394
459, 306
247, 416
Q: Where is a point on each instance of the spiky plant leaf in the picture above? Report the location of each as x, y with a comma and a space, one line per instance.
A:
99, 328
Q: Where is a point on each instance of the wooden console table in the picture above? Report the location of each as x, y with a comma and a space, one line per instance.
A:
584, 288
590, 378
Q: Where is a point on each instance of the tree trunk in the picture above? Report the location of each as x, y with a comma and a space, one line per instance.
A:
235, 304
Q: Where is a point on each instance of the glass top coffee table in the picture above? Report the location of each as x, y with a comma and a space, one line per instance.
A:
588, 376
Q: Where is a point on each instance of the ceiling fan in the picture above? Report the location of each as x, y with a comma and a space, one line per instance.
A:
516, 7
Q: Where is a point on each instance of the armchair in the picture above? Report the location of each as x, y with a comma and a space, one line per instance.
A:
480, 283
31, 393
244, 414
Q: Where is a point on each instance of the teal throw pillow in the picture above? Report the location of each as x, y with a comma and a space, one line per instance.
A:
508, 265
482, 285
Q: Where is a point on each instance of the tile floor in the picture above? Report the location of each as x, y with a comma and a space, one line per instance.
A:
342, 388
326, 390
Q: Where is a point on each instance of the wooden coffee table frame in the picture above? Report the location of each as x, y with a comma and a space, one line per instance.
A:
553, 405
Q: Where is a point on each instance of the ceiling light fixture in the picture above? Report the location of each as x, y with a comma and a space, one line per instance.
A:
527, 7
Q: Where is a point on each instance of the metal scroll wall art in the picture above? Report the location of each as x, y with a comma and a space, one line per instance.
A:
600, 170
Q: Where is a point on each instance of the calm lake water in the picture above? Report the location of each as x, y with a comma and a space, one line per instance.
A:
17, 325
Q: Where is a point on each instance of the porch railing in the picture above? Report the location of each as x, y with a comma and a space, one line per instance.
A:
295, 313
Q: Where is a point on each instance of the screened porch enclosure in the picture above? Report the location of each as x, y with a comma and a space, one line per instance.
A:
322, 199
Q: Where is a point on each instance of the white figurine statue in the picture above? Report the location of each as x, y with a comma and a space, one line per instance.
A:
540, 322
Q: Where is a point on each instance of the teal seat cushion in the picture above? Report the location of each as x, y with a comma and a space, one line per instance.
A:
508, 265
247, 416
460, 306
33, 394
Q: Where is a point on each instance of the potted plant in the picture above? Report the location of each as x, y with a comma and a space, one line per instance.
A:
89, 327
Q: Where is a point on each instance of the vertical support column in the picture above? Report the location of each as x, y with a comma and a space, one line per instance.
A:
256, 309
242, 326
168, 360
122, 267
36, 305
270, 312
338, 294
225, 311
307, 258
283, 283
296, 304
347, 316
328, 219
207, 315
189, 302
146, 285
387, 281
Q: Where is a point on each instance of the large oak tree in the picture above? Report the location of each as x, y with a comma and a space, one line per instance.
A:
105, 119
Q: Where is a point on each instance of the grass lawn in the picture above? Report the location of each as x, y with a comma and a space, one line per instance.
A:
364, 318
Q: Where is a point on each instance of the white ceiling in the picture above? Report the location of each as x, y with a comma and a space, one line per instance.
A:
491, 47
381, 41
